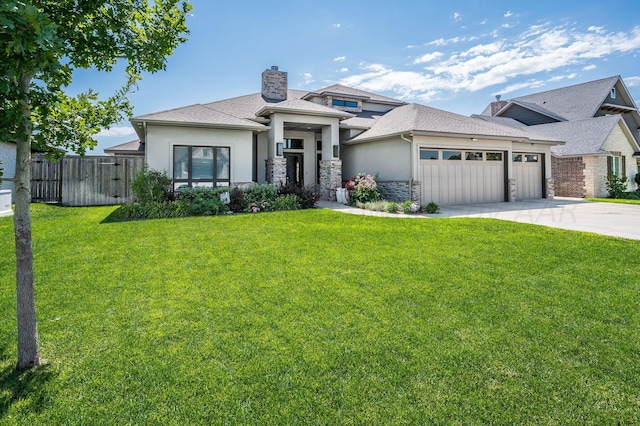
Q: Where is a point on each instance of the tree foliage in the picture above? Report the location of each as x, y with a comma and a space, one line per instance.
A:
42, 42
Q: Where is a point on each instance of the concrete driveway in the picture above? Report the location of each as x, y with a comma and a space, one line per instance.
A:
617, 220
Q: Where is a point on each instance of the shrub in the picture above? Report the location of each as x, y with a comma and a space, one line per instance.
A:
203, 201
636, 178
153, 210
363, 188
431, 208
405, 206
616, 186
260, 196
237, 203
308, 195
393, 207
152, 186
286, 202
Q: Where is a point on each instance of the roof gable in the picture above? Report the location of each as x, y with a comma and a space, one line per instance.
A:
340, 90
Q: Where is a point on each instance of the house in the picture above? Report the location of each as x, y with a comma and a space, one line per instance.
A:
598, 120
8, 164
325, 136
128, 149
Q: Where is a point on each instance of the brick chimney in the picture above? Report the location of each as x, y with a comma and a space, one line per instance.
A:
274, 84
497, 105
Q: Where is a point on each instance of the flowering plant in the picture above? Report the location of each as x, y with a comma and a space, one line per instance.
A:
363, 188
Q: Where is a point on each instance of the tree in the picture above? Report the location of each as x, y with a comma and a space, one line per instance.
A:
41, 43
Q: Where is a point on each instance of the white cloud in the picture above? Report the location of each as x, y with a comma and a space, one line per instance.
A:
337, 25
456, 16
539, 49
117, 131
340, 58
508, 13
344, 69
589, 67
308, 77
632, 81
427, 57
595, 29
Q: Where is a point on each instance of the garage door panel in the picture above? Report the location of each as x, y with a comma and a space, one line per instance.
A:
462, 181
528, 175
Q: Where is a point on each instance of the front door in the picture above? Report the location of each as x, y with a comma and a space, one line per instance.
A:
295, 169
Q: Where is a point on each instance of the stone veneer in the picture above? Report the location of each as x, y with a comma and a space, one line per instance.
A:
569, 176
512, 190
276, 170
398, 190
330, 178
274, 84
551, 189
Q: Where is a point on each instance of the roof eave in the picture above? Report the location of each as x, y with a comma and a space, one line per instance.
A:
268, 110
257, 127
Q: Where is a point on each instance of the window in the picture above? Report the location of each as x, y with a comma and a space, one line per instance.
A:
451, 155
530, 158
428, 154
613, 93
494, 156
613, 166
343, 103
473, 156
294, 144
516, 158
205, 166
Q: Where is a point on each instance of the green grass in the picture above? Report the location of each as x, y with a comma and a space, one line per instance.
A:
614, 200
318, 317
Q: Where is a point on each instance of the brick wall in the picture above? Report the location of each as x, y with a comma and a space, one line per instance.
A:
568, 176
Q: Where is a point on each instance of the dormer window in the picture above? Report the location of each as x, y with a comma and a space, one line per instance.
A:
613, 93
343, 103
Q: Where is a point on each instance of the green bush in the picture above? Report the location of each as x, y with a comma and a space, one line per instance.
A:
432, 208
286, 202
363, 188
616, 186
637, 179
153, 210
203, 201
308, 195
237, 203
406, 206
393, 207
260, 197
152, 186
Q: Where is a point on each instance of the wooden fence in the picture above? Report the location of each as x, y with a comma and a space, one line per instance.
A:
85, 181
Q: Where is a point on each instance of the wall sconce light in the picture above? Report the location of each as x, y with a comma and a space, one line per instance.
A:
336, 151
474, 139
279, 149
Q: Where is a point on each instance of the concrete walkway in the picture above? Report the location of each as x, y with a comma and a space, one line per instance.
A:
617, 220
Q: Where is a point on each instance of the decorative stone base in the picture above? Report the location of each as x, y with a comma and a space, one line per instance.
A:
512, 190
276, 171
394, 190
330, 178
551, 194
416, 192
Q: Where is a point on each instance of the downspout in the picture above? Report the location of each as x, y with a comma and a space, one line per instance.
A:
410, 162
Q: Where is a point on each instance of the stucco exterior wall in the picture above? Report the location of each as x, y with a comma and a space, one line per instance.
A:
8, 160
162, 139
390, 159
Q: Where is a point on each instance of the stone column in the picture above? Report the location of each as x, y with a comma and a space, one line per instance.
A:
551, 189
276, 171
330, 178
416, 192
512, 190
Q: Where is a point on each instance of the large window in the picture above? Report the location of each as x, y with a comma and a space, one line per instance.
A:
205, 166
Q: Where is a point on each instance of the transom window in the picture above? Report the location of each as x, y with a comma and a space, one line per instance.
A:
437, 154
201, 166
343, 103
451, 155
294, 144
494, 156
473, 156
428, 154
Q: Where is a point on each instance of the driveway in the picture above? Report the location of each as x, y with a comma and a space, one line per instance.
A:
617, 220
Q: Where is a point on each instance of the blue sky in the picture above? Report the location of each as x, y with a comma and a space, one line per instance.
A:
451, 55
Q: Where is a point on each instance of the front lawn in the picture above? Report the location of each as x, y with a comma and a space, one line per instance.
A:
614, 200
318, 317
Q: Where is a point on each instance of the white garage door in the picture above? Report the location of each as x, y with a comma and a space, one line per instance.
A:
527, 170
461, 177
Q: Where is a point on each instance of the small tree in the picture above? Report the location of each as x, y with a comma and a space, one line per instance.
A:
151, 186
41, 43
636, 178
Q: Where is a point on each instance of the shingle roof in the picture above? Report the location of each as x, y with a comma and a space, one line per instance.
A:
131, 147
583, 137
350, 91
577, 102
420, 118
300, 106
246, 106
199, 114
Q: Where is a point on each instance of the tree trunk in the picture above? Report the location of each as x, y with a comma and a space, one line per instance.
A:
28, 350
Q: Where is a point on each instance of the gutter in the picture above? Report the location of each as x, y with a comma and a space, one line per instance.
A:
410, 162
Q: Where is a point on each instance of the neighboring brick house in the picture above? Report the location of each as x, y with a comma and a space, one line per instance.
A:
598, 120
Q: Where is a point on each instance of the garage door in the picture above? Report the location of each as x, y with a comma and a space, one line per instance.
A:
461, 177
527, 170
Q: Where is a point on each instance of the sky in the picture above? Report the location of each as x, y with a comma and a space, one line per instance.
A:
452, 55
